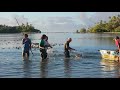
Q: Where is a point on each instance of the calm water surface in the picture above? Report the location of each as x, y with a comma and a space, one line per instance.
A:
90, 65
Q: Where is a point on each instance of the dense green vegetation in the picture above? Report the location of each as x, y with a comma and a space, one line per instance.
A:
83, 30
18, 29
113, 25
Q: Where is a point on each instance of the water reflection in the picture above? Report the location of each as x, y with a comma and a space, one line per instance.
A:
27, 68
108, 65
113, 66
44, 68
67, 69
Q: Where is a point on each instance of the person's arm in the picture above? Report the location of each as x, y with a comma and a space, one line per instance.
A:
114, 39
41, 47
48, 45
22, 41
69, 47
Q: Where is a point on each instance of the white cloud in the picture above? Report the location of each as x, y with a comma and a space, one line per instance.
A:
12, 22
6, 21
52, 24
61, 24
20, 19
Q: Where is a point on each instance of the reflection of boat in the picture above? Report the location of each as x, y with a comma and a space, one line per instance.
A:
108, 65
108, 54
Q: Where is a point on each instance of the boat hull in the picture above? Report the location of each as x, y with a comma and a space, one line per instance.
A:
110, 55
35, 45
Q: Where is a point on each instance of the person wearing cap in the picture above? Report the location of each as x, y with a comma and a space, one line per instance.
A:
67, 48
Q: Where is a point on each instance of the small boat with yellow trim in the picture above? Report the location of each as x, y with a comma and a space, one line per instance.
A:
110, 55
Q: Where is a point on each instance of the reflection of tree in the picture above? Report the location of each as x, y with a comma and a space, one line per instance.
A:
43, 68
104, 39
67, 68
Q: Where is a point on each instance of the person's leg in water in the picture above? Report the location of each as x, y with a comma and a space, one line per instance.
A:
41, 51
23, 54
67, 54
27, 52
43, 54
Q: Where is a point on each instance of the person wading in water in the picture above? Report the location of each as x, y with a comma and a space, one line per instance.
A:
26, 42
67, 48
117, 43
43, 47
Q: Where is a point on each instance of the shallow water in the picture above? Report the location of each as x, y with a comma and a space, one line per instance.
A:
90, 65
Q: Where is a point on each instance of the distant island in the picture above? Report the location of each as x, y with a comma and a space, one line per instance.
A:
113, 25
18, 29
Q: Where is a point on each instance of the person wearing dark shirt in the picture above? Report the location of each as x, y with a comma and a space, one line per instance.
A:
67, 48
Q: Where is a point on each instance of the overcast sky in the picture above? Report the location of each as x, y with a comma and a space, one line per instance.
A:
55, 21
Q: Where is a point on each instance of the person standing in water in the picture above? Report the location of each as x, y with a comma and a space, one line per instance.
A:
47, 43
26, 42
67, 48
42, 47
117, 42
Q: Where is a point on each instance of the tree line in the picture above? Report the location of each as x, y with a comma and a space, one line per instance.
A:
113, 25
18, 29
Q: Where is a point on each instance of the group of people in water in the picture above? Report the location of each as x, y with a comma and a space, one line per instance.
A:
43, 46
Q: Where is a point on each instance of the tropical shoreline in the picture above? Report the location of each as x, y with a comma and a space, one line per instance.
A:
112, 32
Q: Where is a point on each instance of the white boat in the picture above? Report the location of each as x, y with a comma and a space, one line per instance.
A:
110, 55
35, 45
